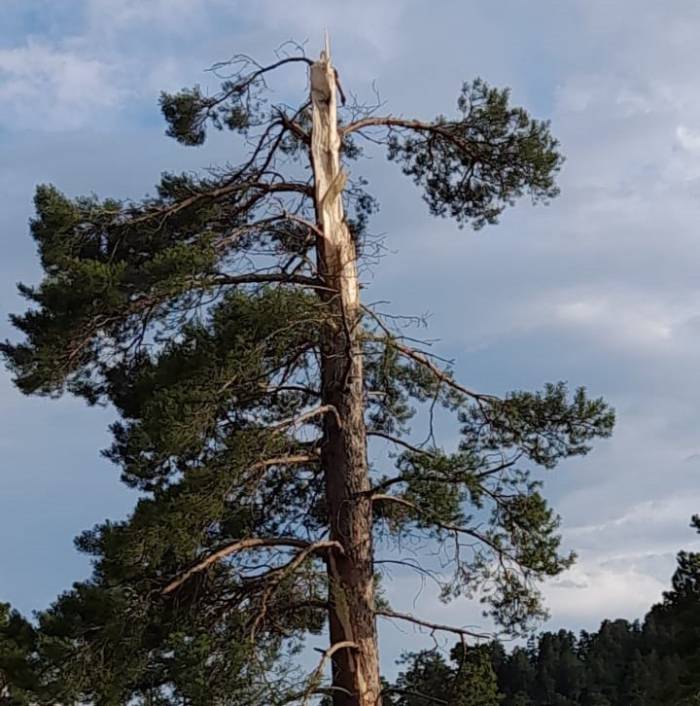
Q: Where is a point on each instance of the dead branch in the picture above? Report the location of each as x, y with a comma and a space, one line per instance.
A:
313, 228
243, 545
438, 372
301, 418
400, 442
247, 80
422, 359
263, 189
269, 278
280, 573
315, 677
433, 627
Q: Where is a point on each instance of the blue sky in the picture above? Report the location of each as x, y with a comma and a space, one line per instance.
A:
601, 288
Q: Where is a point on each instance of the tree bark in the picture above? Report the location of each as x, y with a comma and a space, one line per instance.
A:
344, 449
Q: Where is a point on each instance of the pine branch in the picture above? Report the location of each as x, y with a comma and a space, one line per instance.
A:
434, 627
245, 544
396, 480
447, 526
446, 131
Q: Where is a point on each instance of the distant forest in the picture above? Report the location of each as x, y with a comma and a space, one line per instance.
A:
652, 662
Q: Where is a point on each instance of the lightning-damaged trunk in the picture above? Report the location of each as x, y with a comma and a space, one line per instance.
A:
344, 449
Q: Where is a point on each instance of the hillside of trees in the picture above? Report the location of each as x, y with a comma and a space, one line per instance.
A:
652, 662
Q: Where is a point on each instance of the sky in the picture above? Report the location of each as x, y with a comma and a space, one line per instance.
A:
601, 288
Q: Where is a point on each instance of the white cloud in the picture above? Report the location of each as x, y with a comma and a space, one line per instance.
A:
619, 319
44, 87
588, 593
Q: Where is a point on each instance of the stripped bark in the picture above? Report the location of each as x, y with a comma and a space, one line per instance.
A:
344, 448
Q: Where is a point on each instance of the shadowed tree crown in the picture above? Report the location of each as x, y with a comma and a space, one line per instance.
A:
222, 320
19, 680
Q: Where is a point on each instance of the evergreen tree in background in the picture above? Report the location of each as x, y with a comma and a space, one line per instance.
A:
18, 676
222, 320
469, 681
475, 682
428, 678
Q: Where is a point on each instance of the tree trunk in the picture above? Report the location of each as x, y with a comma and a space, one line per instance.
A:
344, 448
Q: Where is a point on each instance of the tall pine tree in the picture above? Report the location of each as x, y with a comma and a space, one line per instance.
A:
222, 319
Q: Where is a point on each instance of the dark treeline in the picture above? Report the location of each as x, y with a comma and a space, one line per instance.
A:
652, 662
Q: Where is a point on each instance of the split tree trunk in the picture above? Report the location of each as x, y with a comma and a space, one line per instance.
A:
344, 449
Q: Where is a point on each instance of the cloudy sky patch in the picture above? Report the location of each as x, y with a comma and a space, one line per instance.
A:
600, 288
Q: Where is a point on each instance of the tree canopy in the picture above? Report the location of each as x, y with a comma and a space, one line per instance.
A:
221, 320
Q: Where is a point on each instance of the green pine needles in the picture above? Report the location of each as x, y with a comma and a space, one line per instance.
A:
211, 317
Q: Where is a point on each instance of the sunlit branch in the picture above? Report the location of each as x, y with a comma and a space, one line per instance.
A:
243, 545
301, 418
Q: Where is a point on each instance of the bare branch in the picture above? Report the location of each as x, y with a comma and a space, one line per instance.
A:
269, 278
247, 80
290, 459
293, 126
263, 188
280, 573
400, 442
433, 627
243, 545
422, 359
301, 418
439, 373
307, 224
315, 677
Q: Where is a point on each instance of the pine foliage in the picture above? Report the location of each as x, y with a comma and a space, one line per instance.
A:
199, 315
